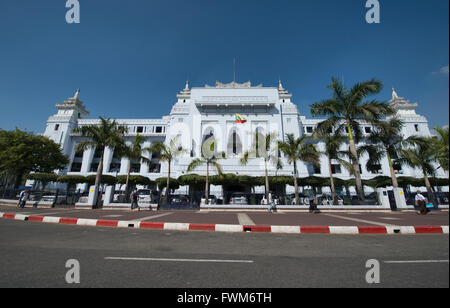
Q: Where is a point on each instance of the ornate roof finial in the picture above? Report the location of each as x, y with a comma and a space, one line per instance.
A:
394, 94
187, 86
280, 86
77, 94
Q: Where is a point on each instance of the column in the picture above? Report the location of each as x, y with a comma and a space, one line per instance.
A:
87, 159
107, 158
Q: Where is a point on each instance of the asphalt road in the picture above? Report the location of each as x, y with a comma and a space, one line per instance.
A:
35, 255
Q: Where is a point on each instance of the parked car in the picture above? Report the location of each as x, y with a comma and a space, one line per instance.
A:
147, 196
369, 200
212, 200
179, 199
239, 198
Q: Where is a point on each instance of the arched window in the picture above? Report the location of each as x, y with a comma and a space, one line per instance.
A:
234, 145
208, 136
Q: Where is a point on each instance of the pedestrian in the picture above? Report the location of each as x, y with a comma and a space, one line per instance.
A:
421, 202
134, 199
272, 206
313, 206
23, 197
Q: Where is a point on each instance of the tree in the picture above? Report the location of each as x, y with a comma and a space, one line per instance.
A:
210, 157
421, 155
134, 180
106, 134
132, 152
296, 149
387, 137
265, 147
333, 143
346, 110
72, 180
163, 182
43, 178
22, 152
442, 148
167, 153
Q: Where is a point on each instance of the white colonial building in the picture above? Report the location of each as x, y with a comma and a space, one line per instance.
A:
210, 112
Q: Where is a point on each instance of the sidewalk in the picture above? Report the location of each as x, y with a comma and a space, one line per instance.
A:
355, 222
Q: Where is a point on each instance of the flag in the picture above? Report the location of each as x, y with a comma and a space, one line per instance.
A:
240, 119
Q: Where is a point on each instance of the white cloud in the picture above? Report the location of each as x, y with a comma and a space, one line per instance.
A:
442, 71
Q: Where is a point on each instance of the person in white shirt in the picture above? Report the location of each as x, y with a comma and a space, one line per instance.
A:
421, 202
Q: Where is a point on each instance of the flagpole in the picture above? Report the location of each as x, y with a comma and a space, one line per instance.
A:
234, 69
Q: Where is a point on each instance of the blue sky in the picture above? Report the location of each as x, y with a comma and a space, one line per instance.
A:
130, 58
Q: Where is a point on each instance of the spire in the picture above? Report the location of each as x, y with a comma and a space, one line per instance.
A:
280, 86
394, 94
187, 86
77, 94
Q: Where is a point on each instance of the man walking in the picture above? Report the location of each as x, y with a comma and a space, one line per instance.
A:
134, 199
421, 202
23, 197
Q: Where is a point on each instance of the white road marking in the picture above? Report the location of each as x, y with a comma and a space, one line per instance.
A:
153, 217
51, 213
112, 216
244, 219
416, 261
360, 220
179, 260
389, 218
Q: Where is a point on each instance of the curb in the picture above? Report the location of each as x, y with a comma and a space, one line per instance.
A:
232, 228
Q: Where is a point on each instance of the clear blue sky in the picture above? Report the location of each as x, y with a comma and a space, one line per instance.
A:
130, 58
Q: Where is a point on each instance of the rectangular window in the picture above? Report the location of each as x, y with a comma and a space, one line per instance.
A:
56, 126
368, 130
79, 154
155, 168
140, 129
336, 169
94, 167
114, 167
398, 168
309, 129
76, 167
135, 168
158, 130
317, 170
416, 127
378, 169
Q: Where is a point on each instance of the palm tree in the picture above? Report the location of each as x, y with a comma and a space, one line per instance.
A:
133, 152
332, 144
442, 148
107, 134
296, 149
210, 158
167, 153
421, 156
264, 146
346, 110
387, 137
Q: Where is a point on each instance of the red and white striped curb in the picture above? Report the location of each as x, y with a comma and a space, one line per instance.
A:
233, 228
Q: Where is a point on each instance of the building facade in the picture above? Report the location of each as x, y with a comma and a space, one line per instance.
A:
209, 113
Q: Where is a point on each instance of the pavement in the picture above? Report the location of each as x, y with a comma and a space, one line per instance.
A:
35, 255
254, 221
